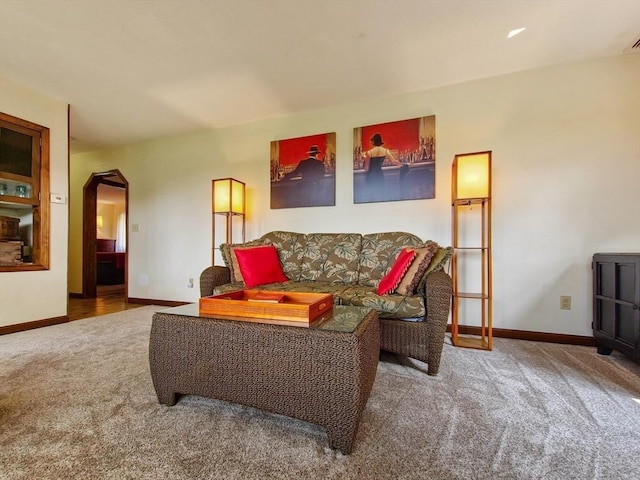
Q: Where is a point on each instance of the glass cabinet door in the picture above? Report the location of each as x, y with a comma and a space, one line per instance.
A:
19, 163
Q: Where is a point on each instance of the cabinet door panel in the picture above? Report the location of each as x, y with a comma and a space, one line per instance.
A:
15, 152
627, 328
626, 282
607, 317
606, 280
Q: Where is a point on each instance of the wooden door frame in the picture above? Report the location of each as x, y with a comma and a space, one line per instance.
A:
89, 229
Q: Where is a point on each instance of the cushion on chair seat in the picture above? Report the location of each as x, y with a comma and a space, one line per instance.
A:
308, 287
388, 306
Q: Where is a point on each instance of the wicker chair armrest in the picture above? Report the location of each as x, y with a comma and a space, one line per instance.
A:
211, 277
438, 292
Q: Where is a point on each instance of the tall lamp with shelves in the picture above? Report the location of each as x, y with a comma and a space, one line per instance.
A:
471, 235
228, 200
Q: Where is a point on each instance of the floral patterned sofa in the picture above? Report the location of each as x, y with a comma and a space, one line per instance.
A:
351, 266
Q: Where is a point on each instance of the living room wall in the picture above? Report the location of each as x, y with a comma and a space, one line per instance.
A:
38, 295
566, 166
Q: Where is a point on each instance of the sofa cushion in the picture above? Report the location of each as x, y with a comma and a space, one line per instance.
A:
440, 259
409, 283
290, 286
311, 287
290, 246
230, 287
388, 306
259, 265
391, 280
230, 260
331, 257
379, 252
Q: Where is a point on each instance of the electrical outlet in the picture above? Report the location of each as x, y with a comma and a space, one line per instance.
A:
565, 302
190, 284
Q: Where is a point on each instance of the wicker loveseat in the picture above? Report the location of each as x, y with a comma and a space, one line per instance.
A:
351, 266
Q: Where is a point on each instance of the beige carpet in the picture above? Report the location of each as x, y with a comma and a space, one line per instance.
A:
77, 402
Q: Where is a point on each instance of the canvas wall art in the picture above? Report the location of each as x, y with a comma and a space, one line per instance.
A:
303, 171
394, 161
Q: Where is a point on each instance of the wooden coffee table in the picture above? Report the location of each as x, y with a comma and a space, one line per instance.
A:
321, 374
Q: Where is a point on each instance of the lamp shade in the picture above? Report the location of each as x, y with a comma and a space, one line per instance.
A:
471, 176
99, 221
228, 196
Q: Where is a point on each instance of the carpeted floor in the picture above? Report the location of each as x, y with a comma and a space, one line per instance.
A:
77, 402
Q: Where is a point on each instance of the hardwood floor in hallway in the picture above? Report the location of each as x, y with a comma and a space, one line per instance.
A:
110, 299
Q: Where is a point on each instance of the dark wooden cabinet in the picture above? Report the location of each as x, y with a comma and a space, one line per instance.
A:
616, 303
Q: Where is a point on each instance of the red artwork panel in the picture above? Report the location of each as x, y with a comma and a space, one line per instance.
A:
394, 161
303, 171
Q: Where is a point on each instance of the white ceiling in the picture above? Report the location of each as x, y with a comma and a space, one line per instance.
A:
136, 70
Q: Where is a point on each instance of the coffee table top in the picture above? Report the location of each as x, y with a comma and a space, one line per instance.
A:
345, 318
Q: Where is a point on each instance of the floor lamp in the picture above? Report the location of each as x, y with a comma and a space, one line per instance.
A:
228, 200
471, 234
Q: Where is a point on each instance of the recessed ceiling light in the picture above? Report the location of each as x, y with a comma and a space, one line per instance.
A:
516, 31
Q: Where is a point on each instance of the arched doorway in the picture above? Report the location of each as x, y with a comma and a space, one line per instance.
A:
89, 228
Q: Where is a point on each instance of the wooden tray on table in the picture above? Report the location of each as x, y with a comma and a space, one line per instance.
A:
282, 308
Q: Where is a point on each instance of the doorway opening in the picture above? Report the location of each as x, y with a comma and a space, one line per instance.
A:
105, 244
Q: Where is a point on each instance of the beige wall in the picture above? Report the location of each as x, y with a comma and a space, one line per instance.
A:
30, 296
566, 165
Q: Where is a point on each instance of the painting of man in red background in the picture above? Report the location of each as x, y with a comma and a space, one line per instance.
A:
303, 171
394, 161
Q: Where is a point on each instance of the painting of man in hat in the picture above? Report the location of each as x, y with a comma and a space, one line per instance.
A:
303, 171
310, 170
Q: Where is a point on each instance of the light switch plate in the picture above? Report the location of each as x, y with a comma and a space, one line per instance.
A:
57, 198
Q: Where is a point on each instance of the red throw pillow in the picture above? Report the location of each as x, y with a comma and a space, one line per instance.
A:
260, 265
391, 280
